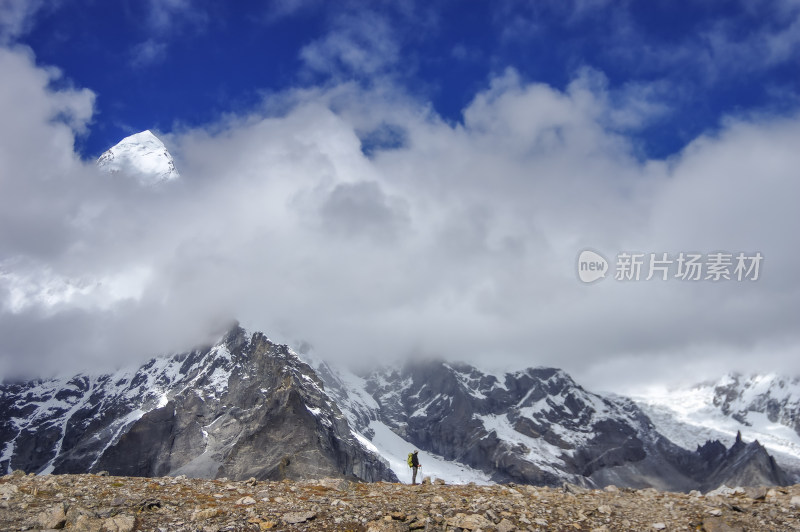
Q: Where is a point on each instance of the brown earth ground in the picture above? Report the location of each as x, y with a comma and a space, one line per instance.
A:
125, 504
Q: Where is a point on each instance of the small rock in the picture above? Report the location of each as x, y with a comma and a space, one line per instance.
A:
573, 488
387, 526
658, 526
438, 481
717, 524
437, 499
8, 490
338, 484
118, 501
292, 518
505, 526
84, 523
696, 494
604, 509
102, 473
426, 480
74, 513
418, 524
716, 512
120, 523
206, 513
53, 517
469, 521
756, 493
722, 491
611, 489
148, 504
246, 500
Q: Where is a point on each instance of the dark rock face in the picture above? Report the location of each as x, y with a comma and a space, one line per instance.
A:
742, 465
243, 408
539, 427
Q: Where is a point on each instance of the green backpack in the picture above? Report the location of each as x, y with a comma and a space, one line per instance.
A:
410, 459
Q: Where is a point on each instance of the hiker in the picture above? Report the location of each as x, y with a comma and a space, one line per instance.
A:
413, 463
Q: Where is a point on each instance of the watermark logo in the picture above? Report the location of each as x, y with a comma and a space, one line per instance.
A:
684, 266
592, 266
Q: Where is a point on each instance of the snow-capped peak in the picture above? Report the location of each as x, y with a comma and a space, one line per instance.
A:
143, 156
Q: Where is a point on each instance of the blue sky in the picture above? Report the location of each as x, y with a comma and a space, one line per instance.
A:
381, 180
167, 64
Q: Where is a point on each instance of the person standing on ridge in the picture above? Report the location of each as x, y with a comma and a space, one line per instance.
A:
413, 463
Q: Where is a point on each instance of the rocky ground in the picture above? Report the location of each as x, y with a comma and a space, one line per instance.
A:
123, 504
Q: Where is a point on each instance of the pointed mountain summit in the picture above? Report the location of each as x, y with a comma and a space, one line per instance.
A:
143, 156
244, 407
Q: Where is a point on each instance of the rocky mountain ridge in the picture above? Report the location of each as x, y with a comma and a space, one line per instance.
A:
243, 407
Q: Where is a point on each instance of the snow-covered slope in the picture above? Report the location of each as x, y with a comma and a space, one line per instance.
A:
395, 449
142, 156
56, 413
762, 407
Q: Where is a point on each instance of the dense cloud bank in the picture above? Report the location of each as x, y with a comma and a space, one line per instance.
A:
358, 221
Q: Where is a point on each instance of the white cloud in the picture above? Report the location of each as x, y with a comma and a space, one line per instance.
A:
16, 17
459, 242
148, 53
361, 43
163, 14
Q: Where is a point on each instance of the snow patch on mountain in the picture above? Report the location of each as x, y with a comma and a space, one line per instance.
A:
395, 449
537, 451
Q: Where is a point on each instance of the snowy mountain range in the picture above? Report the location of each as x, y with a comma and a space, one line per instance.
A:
246, 407
142, 156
